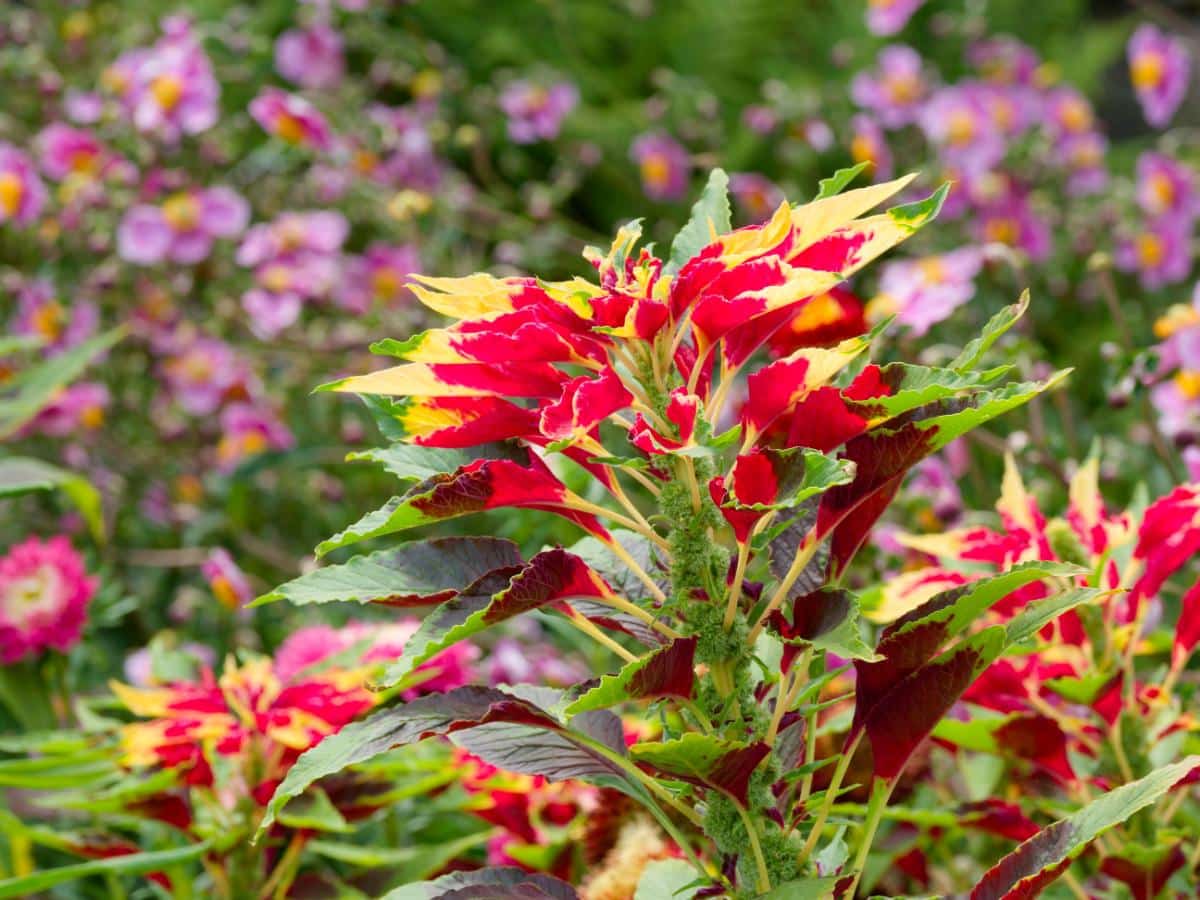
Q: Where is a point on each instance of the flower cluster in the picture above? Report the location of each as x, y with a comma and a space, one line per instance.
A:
44, 596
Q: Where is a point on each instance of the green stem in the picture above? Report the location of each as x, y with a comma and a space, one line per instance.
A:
830, 796
760, 861
881, 790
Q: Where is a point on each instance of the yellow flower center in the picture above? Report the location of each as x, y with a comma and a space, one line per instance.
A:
289, 128
1076, 116
1147, 70
167, 91
962, 127
225, 592
1150, 250
189, 489
48, 320
197, 367
92, 417
408, 203
76, 26
1002, 230
1162, 189
182, 211
1004, 113
1188, 383
656, 170
932, 269
1177, 317
903, 88
385, 283
12, 191
427, 83
862, 150
365, 161
276, 279
83, 161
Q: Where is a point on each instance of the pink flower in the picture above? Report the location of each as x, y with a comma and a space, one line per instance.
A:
311, 57
295, 258
756, 195
1166, 187
889, 16
894, 89
183, 228
42, 315
410, 161
248, 430
664, 165
868, 145
1004, 215
958, 120
202, 374
83, 107
536, 113
760, 119
1068, 112
1083, 157
379, 275
1160, 252
291, 118
1005, 60
922, 292
1159, 67
168, 89
77, 406
227, 582
22, 194
65, 150
44, 593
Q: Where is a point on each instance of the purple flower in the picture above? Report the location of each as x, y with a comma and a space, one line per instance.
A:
411, 161
894, 89
1160, 252
311, 57
183, 228
40, 314
77, 406
818, 134
922, 292
201, 374
248, 430
83, 107
756, 195
1083, 157
379, 275
226, 580
64, 151
868, 145
958, 120
168, 89
889, 16
291, 118
22, 194
1166, 186
664, 165
1005, 60
759, 118
1068, 112
1159, 68
1004, 215
536, 113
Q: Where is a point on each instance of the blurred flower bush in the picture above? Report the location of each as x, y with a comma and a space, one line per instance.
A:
209, 208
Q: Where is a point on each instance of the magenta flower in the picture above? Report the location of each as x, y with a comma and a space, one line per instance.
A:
83, 107
22, 194
248, 430
169, 89
760, 119
889, 16
1004, 215
536, 113
76, 407
44, 594
922, 292
894, 89
201, 374
868, 145
1177, 396
756, 195
378, 276
664, 165
1166, 187
184, 228
42, 315
291, 118
1083, 155
64, 150
295, 258
1159, 67
226, 580
958, 120
311, 57
410, 160
1005, 60
1160, 252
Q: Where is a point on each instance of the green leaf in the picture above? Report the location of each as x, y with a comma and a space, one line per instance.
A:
314, 811
411, 462
419, 573
1030, 620
26, 393
914, 386
996, 327
804, 889
914, 215
1045, 856
22, 475
414, 863
710, 217
667, 672
705, 760
838, 181
131, 864
667, 879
